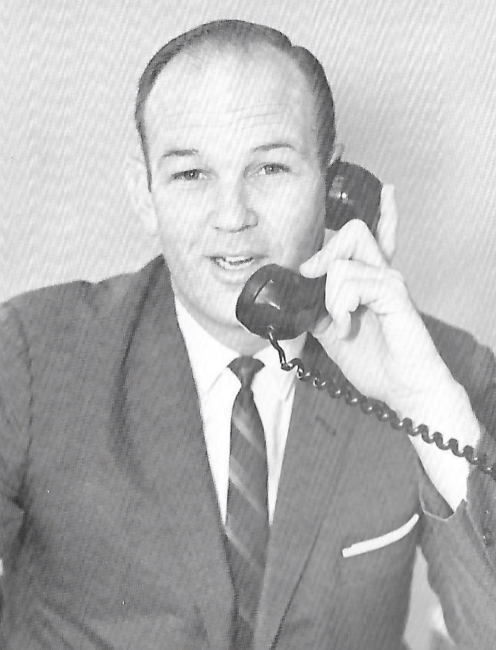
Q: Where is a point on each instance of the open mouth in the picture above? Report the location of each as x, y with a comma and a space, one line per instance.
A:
233, 262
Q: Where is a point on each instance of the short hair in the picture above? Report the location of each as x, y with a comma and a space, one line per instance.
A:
242, 35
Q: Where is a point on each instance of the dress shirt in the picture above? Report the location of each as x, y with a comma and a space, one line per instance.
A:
217, 388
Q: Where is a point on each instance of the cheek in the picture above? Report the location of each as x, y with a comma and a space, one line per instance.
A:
175, 244
300, 237
178, 228
301, 220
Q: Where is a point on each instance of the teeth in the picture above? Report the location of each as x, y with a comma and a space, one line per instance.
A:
231, 261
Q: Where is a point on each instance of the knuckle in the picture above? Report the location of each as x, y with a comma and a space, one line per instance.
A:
357, 227
397, 277
398, 282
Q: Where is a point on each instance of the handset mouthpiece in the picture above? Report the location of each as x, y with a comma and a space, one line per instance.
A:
282, 302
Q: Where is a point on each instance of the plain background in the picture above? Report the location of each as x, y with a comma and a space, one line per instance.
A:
414, 86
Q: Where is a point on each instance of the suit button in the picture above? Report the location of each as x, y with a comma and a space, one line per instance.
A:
487, 536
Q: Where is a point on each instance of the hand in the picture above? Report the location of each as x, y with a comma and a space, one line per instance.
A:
373, 331
377, 338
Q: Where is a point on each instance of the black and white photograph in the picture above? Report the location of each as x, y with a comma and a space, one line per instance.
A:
247, 325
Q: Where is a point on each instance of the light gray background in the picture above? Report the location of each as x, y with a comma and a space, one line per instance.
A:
414, 85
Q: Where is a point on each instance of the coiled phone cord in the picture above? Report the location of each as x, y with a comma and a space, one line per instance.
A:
382, 411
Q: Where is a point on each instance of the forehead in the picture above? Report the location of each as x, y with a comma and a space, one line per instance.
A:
204, 90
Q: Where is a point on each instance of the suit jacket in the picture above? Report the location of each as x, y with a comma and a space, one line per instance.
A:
109, 524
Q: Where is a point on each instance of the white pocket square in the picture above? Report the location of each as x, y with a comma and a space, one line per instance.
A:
379, 542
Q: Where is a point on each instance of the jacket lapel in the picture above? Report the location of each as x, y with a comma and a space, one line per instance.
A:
318, 437
165, 448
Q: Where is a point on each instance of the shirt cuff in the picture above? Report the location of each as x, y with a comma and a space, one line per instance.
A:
479, 506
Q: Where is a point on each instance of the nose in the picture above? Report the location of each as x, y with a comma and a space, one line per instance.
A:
232, 211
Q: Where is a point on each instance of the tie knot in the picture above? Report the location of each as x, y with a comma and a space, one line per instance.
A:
245, 368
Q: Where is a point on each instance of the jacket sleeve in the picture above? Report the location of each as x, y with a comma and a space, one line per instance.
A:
15, 407
460, 547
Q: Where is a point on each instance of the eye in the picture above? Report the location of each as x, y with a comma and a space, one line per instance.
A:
188, 175
273, 168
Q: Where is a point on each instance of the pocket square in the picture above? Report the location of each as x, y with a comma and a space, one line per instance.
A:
384, 540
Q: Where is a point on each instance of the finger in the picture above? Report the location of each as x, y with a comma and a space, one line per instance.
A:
353, 284
353, 242
323, 325
328, 235
346, 304
388, 223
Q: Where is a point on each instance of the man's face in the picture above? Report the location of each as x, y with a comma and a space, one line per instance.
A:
236, 178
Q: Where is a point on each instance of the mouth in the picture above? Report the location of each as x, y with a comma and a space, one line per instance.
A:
234, 262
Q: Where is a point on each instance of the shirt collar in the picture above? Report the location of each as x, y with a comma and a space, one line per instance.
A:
209, 357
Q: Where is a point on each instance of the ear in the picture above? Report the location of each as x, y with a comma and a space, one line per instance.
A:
140, 195
387, 227
336, 153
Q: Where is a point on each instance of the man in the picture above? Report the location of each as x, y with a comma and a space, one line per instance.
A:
151, 498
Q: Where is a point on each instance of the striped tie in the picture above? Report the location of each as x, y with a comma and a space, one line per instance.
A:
247, 521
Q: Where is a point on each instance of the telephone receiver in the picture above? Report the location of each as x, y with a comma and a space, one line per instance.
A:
284, 303
276, 303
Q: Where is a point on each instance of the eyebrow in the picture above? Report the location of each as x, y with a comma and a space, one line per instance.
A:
274, 145
180, 153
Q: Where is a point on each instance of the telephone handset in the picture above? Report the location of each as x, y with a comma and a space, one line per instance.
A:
278, 304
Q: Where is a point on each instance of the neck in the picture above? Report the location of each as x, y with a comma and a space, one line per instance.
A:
236, 338
233, 336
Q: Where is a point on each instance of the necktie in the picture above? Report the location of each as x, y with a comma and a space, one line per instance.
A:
247, 521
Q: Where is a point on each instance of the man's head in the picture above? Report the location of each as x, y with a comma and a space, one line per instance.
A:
236, 136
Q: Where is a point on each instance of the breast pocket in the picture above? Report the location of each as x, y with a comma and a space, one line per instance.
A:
380, 555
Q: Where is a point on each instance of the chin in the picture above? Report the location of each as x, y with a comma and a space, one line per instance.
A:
224, 316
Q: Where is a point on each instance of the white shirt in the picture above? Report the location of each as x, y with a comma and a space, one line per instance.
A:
217, 388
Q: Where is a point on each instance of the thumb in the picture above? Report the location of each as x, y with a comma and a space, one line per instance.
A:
315, 266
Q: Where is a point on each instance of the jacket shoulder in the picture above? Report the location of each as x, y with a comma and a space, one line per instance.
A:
79, 302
